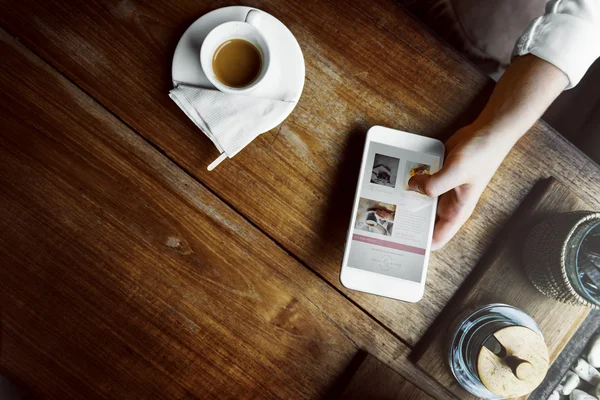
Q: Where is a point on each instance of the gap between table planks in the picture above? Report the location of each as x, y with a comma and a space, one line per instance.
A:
124, 277
499, 278
367, 63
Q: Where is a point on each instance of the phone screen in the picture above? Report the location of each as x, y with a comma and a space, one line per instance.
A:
392, 224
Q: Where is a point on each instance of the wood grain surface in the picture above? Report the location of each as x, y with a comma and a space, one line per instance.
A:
375, 381
123, 277
367, 63
499, 278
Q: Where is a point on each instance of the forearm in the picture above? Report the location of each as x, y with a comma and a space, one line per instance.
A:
520, 98
475, 151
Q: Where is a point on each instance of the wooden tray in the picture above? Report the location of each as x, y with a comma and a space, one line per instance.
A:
499, 278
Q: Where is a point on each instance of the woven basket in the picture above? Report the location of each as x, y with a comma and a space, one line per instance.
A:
545, 256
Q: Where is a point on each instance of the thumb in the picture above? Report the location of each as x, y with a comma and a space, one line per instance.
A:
437, 184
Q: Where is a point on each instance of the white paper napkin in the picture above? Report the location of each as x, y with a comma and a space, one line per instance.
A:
230, 121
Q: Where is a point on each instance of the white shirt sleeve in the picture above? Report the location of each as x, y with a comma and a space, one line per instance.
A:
567, 36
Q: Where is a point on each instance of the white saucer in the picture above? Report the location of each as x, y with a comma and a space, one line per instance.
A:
284, 83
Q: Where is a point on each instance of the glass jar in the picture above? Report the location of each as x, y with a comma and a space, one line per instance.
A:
582, 259
470, 331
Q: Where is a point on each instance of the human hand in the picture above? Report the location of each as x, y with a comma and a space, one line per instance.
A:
475, 152
473, 156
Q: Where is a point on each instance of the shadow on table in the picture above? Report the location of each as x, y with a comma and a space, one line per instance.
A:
466, 117
10, 387
333, 227
10, 391
341, 383
167, 79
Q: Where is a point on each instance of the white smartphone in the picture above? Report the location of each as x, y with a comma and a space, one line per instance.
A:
389, 240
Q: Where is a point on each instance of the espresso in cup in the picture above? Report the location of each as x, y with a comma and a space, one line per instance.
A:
235, 56
237, 63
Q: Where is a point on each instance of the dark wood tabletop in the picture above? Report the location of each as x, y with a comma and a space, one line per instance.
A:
130, 271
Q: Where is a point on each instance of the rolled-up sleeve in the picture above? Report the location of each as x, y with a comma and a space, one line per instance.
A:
567, 36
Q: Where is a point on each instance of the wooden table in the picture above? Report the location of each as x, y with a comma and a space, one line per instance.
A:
129, 271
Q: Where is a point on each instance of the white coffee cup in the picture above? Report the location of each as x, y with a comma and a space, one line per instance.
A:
247, 30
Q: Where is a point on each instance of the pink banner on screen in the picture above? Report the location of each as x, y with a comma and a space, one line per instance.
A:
385, 243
